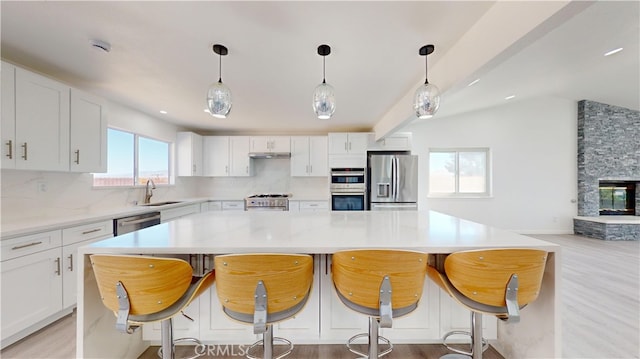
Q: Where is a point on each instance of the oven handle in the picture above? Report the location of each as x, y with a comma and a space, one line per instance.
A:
136, 221
347, 193
350, 174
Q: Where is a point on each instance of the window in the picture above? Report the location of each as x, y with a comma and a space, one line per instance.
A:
459, 172
133, 159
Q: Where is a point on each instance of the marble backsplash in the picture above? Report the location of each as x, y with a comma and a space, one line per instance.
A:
36, 194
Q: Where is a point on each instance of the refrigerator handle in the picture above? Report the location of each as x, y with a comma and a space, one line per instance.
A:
393, 178
396, 185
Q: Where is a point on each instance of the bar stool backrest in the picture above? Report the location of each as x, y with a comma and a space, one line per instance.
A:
357, 275
152, 283
286, 277
482, 275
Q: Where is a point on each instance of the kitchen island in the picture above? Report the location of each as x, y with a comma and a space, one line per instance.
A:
321, 234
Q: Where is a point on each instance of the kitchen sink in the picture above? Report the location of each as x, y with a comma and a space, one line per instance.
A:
160, 203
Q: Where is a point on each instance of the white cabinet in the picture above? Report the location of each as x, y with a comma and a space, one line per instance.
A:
170, 214
72, 239
227, 156
454, 317
8, 119
217, 326
346, 143
309, 156
42, 123
233, 205
88, 133
211, 206
270, 144
31, 279
189, 153
396, 142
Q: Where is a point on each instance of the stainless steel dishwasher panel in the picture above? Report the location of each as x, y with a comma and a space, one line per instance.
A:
134, 223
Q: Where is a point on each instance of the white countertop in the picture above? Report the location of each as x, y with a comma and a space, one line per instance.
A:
315, 232
611, 219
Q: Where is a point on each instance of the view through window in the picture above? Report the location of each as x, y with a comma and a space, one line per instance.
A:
459, 172
133, 159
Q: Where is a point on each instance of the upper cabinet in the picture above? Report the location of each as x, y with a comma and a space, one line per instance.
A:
42, 123
349, 143
8, 119
270, 144
396, 142
309, 156
88, 133
189, 153
226, 156
48, 126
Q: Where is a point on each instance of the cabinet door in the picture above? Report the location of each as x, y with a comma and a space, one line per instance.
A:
239, 162
216, 155
338, 143
88, 133
358, 142
259, 144
42, 123
299, 156
318, 156
8, 120
337, 322
189, 151
280, 144
217, 326
31, 290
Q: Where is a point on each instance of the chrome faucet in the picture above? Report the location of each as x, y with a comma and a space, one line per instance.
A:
149, 191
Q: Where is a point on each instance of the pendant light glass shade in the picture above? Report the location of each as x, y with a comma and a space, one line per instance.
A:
426, 99
324, 99
219, 95
219, 100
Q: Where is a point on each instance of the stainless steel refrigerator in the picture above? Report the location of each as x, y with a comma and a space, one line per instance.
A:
393, 182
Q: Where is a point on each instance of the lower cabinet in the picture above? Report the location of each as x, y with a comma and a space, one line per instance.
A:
38, 276
170, 214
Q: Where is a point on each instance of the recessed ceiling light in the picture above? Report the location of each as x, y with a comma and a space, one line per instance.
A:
614, 51
509, 97
473, 82
163, 112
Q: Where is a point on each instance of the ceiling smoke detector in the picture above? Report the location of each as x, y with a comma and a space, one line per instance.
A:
101, 45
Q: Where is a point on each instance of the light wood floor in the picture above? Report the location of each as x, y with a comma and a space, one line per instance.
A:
600, 314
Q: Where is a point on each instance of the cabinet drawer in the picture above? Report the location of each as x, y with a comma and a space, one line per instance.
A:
233, 206
316, 205
173, 213
86, 232
22, 246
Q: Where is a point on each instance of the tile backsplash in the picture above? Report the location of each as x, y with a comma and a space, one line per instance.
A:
36, 194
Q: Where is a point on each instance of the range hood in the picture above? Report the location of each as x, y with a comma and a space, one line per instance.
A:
270, 154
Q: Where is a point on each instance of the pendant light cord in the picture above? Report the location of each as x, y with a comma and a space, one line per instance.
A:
323, 70
220, 68
426, 70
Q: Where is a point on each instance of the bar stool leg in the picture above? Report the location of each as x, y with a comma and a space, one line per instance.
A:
167, 338
373, 337
267, 342
476, 335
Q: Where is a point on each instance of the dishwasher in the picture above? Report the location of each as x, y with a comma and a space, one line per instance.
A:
133, 223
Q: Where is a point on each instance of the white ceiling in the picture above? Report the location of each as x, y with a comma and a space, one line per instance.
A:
161, 57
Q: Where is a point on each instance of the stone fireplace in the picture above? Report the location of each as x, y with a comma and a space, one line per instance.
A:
608, 172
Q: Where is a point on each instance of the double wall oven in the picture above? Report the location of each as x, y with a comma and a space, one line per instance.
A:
348, 189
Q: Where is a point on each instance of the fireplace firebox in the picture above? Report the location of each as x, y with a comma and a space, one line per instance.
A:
617, 198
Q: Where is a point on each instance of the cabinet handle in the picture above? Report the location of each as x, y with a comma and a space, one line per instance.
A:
24, 146
349, 146
247, 170
70, 262
77, 161
58, 266
91, 231
226, 169
194, 169
310, 169
26, 245
10, 154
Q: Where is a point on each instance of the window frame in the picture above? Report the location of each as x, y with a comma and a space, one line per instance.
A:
487, 193
136, 161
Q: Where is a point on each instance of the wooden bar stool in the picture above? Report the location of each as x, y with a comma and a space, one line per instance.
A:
142, 289
263, 289
383, 284
495, 281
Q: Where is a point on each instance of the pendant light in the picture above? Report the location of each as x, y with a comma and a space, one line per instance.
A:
219, 95
324, 100
426, 99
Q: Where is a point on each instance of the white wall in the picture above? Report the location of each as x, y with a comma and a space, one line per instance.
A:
72, 193
533, 146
